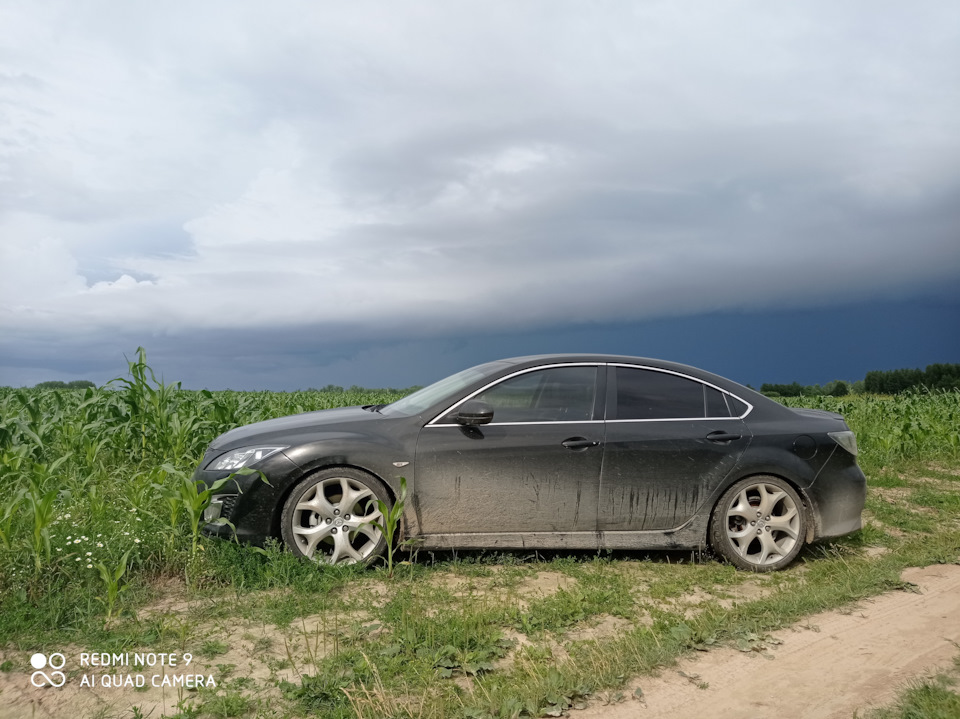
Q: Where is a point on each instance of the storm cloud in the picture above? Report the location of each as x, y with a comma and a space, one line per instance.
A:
182, 175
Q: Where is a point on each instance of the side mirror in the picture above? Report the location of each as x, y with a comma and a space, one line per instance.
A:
474, 412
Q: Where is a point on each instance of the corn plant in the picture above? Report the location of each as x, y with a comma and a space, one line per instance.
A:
160, 429
192, 498
111, 581
9, 512
40, 502
37, 425
392, 517
41, 507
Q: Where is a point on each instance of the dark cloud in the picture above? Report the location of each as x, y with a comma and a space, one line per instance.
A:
803, 344
207, 179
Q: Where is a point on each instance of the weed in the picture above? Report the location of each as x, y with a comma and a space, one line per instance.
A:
228, 704
325, 690
213, 647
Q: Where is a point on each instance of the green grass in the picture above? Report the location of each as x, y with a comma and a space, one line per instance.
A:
900, 514
934, 698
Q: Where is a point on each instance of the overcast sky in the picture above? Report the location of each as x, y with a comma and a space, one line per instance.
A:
290, 194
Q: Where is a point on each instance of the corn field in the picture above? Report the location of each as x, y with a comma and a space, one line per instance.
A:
916, 426
97, 498
95, 489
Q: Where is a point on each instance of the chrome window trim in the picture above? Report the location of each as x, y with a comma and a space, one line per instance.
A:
685, 376
676, 419
435, 422
527, 424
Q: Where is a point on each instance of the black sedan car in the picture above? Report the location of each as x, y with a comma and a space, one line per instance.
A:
552, 451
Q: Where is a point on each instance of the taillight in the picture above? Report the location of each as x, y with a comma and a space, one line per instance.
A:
846, 439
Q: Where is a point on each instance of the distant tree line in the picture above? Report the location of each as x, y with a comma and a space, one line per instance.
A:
935, 376
357, 388
838, 388
57, 384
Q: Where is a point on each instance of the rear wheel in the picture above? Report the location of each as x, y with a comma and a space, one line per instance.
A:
759, 524
329, 517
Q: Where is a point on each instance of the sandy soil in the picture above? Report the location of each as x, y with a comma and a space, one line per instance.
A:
830, 666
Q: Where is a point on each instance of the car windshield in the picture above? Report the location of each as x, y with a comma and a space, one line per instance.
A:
425, 398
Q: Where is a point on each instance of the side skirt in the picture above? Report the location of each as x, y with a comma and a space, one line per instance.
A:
692, 535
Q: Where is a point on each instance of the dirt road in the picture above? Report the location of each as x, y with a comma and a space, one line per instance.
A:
830, 666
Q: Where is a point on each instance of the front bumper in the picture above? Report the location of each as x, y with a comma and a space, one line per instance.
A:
249, 503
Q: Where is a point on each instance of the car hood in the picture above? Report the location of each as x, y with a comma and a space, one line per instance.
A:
280, 430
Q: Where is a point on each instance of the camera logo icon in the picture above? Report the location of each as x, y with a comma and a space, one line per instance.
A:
55, 662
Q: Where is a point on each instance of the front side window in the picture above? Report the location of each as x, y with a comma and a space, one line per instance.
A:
556, 394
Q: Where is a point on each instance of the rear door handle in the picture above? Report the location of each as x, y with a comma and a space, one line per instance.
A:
579, 443
721, 436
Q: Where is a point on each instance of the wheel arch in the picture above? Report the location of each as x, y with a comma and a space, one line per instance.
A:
276, 516
810, 515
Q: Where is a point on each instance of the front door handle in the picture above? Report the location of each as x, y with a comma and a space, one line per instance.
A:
721, 436
579, 443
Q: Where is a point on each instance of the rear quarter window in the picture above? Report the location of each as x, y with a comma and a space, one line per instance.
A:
737, 407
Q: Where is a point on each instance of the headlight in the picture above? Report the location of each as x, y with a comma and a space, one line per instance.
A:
847, 440
244, 457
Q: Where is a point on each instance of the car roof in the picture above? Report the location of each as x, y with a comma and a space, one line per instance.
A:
728, 384
533, 360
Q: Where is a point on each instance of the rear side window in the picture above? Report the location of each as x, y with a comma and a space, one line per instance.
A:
716, 405
646, 394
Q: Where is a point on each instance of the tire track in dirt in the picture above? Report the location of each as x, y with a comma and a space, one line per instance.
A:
827, 667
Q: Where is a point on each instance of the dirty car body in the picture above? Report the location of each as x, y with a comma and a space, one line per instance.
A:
551, 451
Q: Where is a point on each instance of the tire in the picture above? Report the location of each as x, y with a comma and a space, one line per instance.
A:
759, 524
327, 518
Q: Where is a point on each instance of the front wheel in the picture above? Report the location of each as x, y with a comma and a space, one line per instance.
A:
759, 524
329, 517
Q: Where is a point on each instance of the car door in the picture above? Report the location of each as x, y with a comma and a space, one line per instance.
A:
534, 468
670, 440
